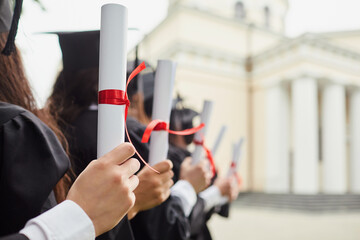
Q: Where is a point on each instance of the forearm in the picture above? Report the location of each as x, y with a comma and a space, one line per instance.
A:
187, 195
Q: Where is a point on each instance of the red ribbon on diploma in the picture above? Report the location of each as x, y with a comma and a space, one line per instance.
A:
119, 97
114, 97
158, 125
209, 155
238, 178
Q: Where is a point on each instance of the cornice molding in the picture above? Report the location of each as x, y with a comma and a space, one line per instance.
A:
304, 40
204, 58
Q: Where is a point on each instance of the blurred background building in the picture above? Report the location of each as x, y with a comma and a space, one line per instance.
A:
296, 101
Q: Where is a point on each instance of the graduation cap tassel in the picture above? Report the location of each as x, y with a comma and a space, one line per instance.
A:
10, 43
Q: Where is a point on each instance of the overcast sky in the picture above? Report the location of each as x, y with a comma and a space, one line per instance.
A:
42, 54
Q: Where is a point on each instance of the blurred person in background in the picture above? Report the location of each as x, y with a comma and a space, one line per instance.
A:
189, 179
210, 199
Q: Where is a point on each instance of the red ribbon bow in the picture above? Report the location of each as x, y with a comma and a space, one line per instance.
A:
119, 97
209, 155
158, 125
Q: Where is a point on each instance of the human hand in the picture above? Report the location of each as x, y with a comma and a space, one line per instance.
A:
104, 190
228, 187
199, 175
154, 188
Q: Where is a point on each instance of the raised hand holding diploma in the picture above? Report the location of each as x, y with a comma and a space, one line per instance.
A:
236, 158
112, 77
232, 172
105, 189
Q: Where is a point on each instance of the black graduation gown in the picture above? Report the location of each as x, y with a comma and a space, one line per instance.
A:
198, 218
166, 221
32, 161
199, 229
82, 138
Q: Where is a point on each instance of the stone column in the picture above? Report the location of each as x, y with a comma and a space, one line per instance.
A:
305, 136
355, 141
333, 138
277, 139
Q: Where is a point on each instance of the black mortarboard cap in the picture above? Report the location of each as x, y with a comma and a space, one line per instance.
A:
187, 116
80, 50
5, 18
184, 115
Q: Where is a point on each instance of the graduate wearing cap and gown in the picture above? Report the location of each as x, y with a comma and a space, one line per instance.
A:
32, 160
74, 100
168, 220
182, 118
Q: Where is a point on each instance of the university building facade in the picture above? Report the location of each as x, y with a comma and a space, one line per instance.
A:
296, 101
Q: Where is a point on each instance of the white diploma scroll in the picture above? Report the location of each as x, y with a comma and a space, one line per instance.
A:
197, 155
218, 139
112, 75
163, 90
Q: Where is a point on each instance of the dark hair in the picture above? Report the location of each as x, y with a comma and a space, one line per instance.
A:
73, 93
15, 89
180, 120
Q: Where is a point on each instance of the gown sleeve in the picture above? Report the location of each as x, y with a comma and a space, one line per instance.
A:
32, 161
199, 217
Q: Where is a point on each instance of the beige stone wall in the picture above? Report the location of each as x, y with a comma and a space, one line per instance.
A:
230, 108
210, 51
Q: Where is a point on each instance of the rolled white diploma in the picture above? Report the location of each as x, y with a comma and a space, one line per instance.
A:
218, 139
163, 90
197, 155
112, 75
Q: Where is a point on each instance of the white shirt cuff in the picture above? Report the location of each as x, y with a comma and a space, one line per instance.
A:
212, 197
66, 221
185, 191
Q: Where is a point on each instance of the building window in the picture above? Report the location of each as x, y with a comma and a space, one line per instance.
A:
239, 10
267, 16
